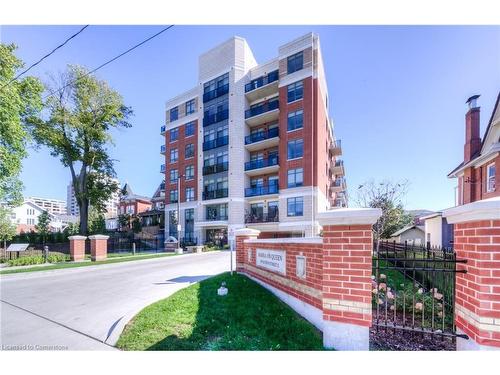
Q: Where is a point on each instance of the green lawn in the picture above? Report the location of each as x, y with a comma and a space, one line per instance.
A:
116, 259
196, 318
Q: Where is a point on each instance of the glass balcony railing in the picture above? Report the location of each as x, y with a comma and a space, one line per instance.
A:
339, 182
209, 119
261, 136
261, 217
215, 168
261, 163
219, 91
262, 108
214, 194
162, 129
162, 168
261, 190
214, 143
163, 149
262, 81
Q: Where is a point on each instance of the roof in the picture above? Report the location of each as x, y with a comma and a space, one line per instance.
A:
407, 228
430, 216
128, 194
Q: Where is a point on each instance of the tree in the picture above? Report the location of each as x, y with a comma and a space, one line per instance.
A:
43, 225
97, 222
82, 114
388, 196
7, 228
136, 224
124, 221
71, 229
20, 100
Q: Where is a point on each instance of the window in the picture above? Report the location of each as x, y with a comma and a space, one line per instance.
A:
172, 223
295, 177
189, 194
295, 62
295, 120
189, 128
174, 155
190, 107
295, 91
295, 148
174, 134
189, 224
490, 177
173, 196
174, 114
174, 175
189, 172
295, 206
189, 151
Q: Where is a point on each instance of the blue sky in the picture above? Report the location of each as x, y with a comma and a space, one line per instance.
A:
397, 94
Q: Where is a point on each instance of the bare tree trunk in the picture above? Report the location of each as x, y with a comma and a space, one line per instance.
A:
84, 216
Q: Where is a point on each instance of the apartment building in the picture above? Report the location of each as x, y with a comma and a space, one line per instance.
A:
252, 145
111, 203
52, 206
478, 174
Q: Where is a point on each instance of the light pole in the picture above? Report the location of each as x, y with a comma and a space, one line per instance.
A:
179, 227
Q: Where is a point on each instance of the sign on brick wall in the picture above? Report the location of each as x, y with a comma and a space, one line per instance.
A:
273, 260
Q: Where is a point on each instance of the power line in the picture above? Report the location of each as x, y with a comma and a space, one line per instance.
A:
113, 59
44, 57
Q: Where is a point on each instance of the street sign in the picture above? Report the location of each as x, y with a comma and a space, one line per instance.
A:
18, 247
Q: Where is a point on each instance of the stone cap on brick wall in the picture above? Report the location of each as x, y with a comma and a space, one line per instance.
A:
77, 237
98, 237
349, 216
246, 232
486, 209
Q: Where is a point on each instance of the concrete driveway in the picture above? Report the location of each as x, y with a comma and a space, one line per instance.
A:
87, 308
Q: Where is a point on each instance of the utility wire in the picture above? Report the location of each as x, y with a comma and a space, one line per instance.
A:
113, 59
44, 57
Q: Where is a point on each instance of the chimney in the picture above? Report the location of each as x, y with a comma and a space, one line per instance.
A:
472, 137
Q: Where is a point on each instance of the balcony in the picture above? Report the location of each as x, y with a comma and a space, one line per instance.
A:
336, 148
262, 166
261, 190
262, 139
256, 218
265, 112
163, 129
215, 168
163, 149
217, 217
214, 143
263, 86
338, 185
215, 194
215, 117
219, 91
337, 168
162, 168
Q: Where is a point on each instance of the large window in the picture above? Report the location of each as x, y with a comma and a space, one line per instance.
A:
189, 194
190, 107
174, 114
174, 175
216, 83
189, 172
189, 129
295, 62
174, 155
174, 134
295, 91
295, 148
490, 177
172, 223
295, 120
295, 206
295, 177
189, 151
174, 196
189, 224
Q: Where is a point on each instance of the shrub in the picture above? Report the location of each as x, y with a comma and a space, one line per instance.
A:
28, 260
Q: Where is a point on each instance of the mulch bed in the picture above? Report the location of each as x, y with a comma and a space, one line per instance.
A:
390, 339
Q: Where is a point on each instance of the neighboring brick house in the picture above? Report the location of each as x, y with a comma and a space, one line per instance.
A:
131, 203
479, 173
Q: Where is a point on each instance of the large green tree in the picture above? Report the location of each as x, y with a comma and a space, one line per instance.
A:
7, 229
81, 115
20, 100
43, 225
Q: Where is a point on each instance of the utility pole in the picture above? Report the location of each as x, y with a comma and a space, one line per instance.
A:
179, 227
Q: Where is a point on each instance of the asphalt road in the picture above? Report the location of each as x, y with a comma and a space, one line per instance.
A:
87, 308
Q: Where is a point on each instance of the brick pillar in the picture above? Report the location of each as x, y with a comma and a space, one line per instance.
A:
77, 248
98, 247
241, 235
347, 269
477, 292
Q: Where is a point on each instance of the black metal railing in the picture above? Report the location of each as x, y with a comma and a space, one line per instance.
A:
209, 119
214, 194
262, 135
269, 217
262, 81
261, 163
215, 168
215, 93
261, 190
262, 108
216, 217
214, 143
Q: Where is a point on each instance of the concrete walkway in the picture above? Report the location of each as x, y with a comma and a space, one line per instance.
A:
87, 308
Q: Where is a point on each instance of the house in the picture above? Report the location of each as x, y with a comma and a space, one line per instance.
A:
131, 203
479, 173
437, 230
412, 234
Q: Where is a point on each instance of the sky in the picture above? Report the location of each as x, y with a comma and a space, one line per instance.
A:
397, 94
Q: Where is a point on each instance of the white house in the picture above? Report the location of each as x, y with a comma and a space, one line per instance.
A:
437, 230
412, 234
